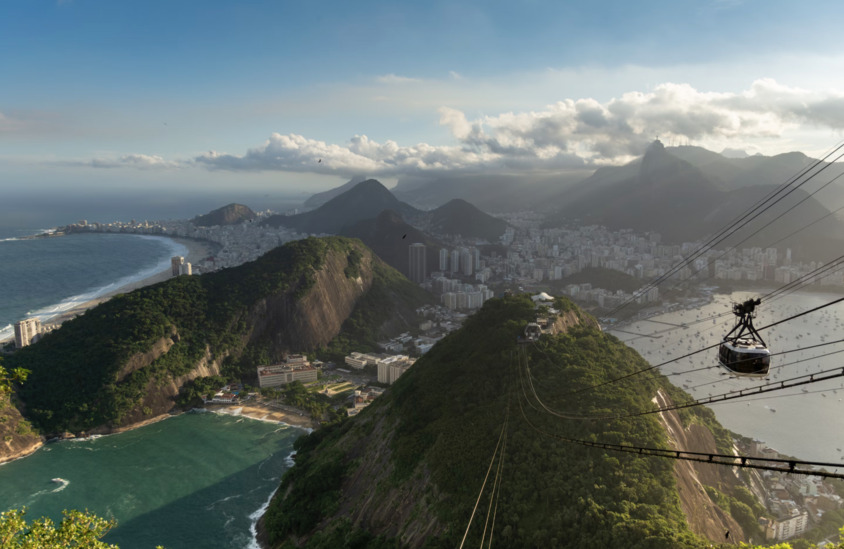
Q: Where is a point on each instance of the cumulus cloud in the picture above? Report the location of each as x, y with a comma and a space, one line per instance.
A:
571, 133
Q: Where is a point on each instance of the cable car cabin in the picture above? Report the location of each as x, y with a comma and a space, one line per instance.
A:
745, 357
743, 352
532, 333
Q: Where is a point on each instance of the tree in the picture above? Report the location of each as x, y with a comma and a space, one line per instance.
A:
77, 529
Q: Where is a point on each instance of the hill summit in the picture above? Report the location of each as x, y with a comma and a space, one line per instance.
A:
365, 200
408, 470
231, 214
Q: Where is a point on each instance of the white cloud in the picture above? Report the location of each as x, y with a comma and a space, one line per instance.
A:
138, 161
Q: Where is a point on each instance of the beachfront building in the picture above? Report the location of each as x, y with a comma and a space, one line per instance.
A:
27, 331
178, 266
295, 368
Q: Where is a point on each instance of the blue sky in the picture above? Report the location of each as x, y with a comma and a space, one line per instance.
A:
214, 94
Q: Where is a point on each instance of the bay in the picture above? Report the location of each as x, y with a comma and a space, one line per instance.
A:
806, 424
193, 480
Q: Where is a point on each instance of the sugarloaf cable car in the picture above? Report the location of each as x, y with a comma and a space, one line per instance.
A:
532, 333
743, 352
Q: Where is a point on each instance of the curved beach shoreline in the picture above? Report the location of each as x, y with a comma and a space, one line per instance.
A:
195, 251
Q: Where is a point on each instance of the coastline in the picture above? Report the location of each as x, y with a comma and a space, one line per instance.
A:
195, 251
261, 412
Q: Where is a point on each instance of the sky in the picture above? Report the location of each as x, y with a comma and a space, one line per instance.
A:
278, 96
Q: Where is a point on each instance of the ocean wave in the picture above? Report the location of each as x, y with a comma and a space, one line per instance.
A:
253, 522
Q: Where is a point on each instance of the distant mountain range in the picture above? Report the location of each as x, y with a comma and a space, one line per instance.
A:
369, 211
490, 193
688, 193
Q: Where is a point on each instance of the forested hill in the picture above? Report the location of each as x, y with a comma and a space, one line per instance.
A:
406, 472
124, 361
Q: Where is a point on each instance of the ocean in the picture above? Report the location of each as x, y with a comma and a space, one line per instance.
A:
189, 481
43, 277
805, 422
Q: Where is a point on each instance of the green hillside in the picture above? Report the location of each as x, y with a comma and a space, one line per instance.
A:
431, 438
115, 361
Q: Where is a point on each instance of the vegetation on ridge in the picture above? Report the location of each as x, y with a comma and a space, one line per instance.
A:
81, 377
440, 422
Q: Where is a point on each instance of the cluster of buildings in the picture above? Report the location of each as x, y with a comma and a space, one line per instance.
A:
236, 244
294, 368
390, 367
796, 502
363, 398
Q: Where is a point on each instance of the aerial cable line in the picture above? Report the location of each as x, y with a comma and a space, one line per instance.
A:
737, 224
787, 289
491, 461
687, 355
730, 460
496, 490
778, 218
806, 379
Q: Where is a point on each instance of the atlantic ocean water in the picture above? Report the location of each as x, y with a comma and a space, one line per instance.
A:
43, 277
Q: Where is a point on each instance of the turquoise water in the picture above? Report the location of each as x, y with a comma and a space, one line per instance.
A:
45, 276
197, 480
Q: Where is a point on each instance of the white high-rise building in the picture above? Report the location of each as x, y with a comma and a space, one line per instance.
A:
454, 267
443, 259
27, 331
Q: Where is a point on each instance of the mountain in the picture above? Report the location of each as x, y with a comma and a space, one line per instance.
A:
407, 470
365, 200
389, 237
685, 201
491, 193
125, 360
227, 215
459, 217
318, 199
737, 172
667, 195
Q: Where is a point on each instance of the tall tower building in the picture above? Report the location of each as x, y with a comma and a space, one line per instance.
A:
455, 261
417, 267
443, 259
176, 265
466, 262
26, 331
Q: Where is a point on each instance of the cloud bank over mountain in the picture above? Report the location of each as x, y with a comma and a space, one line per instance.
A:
572, 133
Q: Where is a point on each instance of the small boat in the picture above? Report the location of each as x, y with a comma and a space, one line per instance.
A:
58, 480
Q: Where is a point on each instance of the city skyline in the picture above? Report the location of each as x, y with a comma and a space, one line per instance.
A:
117, 97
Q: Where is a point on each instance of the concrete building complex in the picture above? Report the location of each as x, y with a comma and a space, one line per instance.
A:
295, 368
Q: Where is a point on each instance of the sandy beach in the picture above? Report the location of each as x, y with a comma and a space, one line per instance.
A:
256, 410
196, 251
